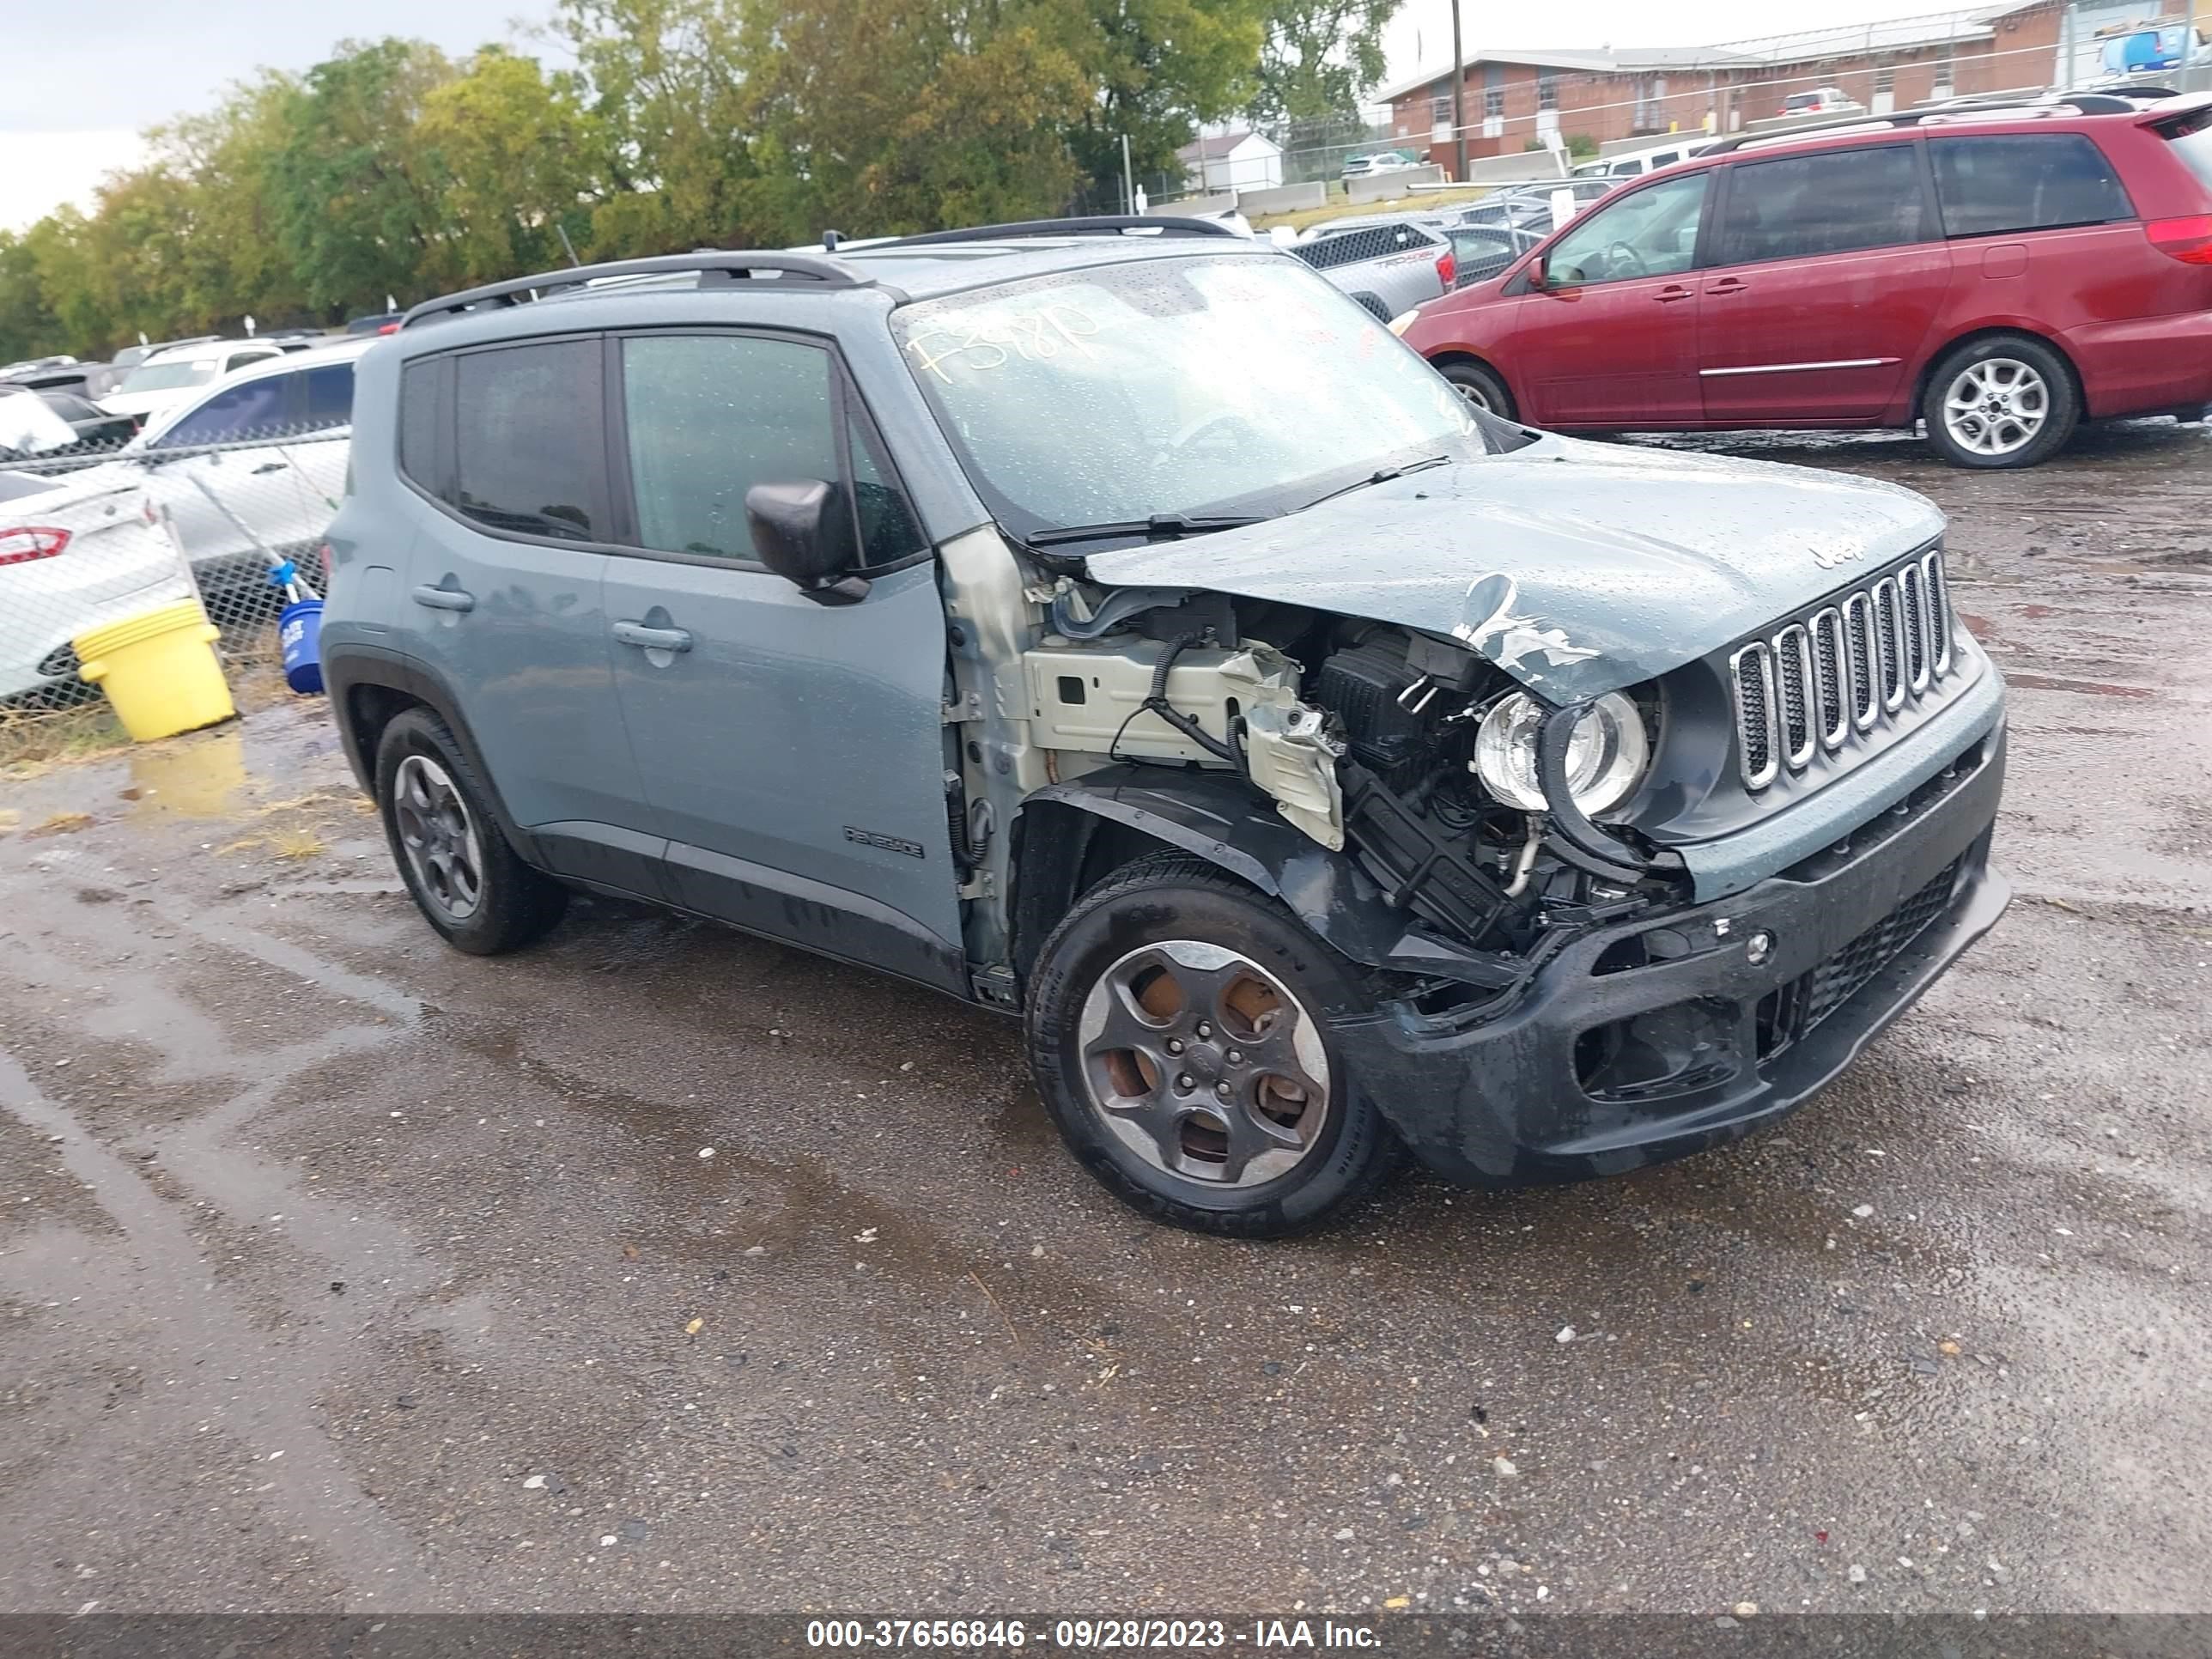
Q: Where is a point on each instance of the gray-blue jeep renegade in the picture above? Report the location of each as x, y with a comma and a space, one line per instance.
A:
1109, 622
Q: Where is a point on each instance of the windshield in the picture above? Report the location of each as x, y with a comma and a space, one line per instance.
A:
1198, 386
167, 377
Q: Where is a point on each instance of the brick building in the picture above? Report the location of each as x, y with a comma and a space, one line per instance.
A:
1515, 98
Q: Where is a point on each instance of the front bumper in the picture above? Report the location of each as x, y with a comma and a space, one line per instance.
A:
1653, 1038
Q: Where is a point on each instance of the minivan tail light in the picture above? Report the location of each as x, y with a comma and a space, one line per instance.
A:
2189, 240
1447, 269
25, 543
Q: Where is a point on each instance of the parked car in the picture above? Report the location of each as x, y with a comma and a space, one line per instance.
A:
2000, 276
251, 469
1822, 100
75, 553
1314, 764
53, 426
1366, 167
88, 380
1529, 207
131, 356
1388, 264
169, 377
1634, 164
1481, 252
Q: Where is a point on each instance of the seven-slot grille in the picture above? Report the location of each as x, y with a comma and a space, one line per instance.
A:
1855, 662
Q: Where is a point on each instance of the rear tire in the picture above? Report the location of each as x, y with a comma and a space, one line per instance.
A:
1180, 1029
2005, 401
1481, 386
462, 874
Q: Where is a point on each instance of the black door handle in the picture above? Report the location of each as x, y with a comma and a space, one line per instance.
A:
268, 466
445, 598
652, 639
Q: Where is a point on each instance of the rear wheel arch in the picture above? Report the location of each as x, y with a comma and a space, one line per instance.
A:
369, 691
1950, 348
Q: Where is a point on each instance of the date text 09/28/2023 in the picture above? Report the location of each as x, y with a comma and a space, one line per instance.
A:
1096, 1635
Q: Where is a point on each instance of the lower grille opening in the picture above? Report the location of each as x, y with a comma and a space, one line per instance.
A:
1789, 1013
1668, 1051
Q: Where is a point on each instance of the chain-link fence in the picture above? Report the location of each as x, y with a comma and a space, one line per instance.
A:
94, 533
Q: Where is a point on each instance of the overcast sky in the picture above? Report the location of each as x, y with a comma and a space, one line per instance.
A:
84, 78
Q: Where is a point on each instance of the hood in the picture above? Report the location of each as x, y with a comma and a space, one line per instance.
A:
149, 403
1576, 568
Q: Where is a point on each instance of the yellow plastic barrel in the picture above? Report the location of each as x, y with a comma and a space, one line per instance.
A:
160, 672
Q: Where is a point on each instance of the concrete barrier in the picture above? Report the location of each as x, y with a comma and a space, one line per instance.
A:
1189, 207
1389, 187
1283, 198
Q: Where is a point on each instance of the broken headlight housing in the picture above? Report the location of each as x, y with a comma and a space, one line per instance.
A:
1605, 758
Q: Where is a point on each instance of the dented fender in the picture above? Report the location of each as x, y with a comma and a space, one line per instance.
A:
1218, 818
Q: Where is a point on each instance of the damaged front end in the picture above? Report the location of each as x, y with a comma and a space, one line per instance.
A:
1467, 824
1560, 991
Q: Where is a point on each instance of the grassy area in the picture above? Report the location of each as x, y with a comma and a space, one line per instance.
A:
1337, 208
35, 740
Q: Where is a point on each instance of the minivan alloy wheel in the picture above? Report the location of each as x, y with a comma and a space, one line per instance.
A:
1204, 1064
439, 835
1996, 405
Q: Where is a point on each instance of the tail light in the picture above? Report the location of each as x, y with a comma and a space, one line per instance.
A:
25, 543
322, 553
1447, 269
389, 328
2189, 240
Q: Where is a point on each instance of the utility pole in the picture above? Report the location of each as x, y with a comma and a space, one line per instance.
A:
1128, 189
1458, 100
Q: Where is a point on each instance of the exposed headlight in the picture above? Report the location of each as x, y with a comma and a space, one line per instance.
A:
1606, 757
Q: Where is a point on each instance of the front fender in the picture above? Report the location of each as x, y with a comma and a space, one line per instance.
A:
1220, 819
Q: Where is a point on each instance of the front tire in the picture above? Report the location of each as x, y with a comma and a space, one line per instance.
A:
460, 870
1481, 386
2006, 401
1180, 1029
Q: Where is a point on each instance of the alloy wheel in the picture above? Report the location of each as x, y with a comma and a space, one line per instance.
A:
1996, 406
440, 837
1204, 1064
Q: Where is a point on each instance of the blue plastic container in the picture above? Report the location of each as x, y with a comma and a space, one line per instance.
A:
300, 632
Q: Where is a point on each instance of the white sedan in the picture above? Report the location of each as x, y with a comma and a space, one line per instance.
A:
77, 552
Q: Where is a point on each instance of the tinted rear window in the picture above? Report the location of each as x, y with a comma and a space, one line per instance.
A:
2025, 181
529, 453
1831, 202
418, 425
330, 396
2193, 142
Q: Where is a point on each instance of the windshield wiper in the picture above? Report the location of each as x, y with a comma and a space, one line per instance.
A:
1160, 527
1381, 475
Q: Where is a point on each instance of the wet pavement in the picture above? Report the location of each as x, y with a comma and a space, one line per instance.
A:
339, 1270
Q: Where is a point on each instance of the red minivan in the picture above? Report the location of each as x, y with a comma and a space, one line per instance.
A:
1998, 274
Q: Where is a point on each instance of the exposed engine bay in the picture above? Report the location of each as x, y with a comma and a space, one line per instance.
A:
1366, 734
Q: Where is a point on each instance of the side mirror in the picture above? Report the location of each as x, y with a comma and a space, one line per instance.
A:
1537, 280
803, 531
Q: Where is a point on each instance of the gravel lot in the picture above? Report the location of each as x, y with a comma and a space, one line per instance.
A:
340, 1270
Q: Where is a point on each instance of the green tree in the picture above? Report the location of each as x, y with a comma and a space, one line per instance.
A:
233, 264
881, 117
513, 158
27, 325
353, 198
1318, 58
665, 86
1160, 68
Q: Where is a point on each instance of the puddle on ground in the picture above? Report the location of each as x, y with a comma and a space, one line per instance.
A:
201, 778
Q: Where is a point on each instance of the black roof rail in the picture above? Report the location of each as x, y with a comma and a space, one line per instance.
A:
710, 263
1097, 224
2077, 103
